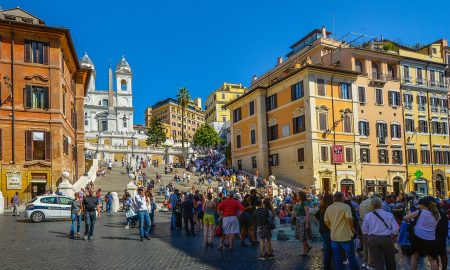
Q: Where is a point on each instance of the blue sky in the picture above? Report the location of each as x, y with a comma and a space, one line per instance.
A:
200, 44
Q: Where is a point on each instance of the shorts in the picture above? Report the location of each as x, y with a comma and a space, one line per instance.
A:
264, 232
230, 225
424, 247
208, 219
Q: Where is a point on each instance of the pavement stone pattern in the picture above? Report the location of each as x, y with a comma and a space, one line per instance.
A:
45, 245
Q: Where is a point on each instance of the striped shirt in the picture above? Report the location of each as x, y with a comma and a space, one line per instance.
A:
262, 216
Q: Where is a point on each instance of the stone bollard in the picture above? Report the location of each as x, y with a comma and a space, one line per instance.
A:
132, 189
115, 203
2, 204
66, 187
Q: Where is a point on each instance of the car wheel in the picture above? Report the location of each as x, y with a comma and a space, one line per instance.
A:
37, 217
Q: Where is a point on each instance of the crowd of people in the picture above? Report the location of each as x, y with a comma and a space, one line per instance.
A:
377, 225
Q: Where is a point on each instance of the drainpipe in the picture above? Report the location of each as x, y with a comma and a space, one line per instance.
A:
13, 140
334, 129
404, 156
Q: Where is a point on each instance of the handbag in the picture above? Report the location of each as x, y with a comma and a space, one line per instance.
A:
219, 230
130, 213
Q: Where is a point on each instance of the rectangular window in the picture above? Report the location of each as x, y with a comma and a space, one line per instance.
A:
383, 156
252, 136
103, 125
223, 95
321, 87
361, 94
419, 76
238, 141
285, 131
254, 164
409, 124
347, 124
438, 159
324, 150
271, 102
396, 132
64, 102
237, 115
365, 155
345, 91
272, 133
323, 121
434, 102
348, 154
382, 130
394, 98
425, 156
273, 160
379, 96
239, 163
363, 128
423, 126
421, 102
297, 91
301, 154
65, 145
37, 145
434, 127
408, 101
36, 52
443, 128
412, 155
406, 77
251, 108
299, 124
397, 157
446, 155
432, 78
36, 97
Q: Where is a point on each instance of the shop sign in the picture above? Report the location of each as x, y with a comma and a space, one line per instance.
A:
13, 179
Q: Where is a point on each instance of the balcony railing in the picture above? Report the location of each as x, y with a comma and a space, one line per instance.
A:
378, 77
407, 79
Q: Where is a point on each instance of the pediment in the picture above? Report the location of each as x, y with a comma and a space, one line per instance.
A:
36, 79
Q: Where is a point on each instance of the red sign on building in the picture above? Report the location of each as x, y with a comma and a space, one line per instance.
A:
338, 153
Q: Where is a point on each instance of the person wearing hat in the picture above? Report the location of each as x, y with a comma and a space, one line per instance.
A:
424, 238
229, 209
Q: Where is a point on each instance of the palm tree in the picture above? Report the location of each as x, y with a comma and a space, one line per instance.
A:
183, 99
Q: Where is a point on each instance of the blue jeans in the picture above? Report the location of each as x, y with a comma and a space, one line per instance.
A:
173, 220
327, 250
108, 207
75, 219
349, 248
89, 219
144, 223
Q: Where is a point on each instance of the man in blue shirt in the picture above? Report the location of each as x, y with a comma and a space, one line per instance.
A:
108, 200
174, 199
386, 206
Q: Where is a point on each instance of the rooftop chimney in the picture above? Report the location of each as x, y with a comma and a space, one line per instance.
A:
324, 32
279, 60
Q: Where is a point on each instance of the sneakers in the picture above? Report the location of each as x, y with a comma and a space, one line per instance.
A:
263, 258
364, 264
127, 227
85, 237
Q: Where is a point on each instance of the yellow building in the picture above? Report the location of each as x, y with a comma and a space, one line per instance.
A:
169, 112
298, 121
214, 112
425, 103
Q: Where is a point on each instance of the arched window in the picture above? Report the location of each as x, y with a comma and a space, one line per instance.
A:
374, 71
358, 66
391, 72
123, 85
439, 184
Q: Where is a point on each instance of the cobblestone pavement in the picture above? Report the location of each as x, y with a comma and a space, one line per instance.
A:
25, 245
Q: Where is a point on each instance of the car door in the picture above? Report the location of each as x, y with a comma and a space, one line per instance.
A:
50, 209
65, 205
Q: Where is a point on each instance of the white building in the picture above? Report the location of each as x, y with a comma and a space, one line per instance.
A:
109, 113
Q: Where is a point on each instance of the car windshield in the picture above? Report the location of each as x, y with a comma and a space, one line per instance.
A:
51, 200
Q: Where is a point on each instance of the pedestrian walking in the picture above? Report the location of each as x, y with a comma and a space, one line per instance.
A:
108, 201
89, 207
176, 211
381, 228
209, 208
365, 207
301, 213
339, 219
15, 203
188, 215
229, 209
75, 212
143, 216
424, 238
264, 222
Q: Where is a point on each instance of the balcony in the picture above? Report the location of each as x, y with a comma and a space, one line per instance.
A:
407, 79
378, 77
419, 81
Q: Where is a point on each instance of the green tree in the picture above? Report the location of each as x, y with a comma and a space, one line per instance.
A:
155, 132
183, 99
206, 137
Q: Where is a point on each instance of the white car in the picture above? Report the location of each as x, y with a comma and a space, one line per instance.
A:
48, 207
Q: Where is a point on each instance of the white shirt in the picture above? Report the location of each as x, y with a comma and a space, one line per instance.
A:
141, 203
426, 225
372, 225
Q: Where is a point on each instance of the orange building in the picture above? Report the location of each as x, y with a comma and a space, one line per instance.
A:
41, 112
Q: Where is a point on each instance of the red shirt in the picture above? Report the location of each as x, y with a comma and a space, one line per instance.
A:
230, 207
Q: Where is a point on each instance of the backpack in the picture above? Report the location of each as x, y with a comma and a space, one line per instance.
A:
12, 200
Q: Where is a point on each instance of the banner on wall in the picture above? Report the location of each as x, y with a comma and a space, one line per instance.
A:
338, 153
